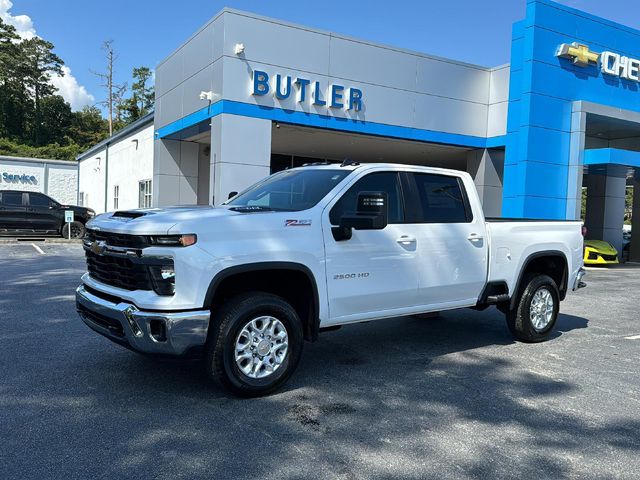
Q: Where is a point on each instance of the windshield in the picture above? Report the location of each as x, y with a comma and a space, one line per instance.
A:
290, 190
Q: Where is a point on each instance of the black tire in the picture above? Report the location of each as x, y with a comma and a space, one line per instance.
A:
519, 318
77, 230
225, 328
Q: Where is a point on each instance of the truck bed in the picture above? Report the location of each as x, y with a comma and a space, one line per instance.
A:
513, 242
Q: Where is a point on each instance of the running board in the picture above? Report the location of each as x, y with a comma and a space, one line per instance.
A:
493, 299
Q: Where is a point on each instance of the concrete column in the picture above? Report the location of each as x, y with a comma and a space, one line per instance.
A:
175, 173
204, 154
605, 208
486, 166
576, 161
240, 154
634, 253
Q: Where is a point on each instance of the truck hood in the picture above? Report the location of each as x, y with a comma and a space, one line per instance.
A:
155, 221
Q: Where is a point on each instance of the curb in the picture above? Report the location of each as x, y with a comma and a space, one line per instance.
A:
36, 239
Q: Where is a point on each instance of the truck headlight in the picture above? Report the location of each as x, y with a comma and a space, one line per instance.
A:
174, 240
167, 273
163, 278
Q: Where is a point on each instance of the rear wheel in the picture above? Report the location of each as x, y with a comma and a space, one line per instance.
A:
254, 344
536, 311
77, 230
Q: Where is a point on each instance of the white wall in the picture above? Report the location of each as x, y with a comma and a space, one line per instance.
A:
63, 184
22, 168
60, 183
130, 161
498, 101
235, 162
91, 184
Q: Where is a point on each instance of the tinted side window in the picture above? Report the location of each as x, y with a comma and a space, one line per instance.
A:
12, 199
37, 200
375, 182
441, 199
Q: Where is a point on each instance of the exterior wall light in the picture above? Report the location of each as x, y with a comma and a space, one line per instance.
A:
238, 49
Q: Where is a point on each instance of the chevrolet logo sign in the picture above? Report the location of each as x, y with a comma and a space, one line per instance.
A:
610, 63
98, 247
578, 53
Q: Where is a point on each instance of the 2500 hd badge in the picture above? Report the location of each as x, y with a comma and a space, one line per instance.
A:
349, 276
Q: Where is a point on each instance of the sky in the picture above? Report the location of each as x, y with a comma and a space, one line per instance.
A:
146, 31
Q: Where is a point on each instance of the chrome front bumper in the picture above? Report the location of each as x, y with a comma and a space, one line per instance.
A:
169, 333
578, 283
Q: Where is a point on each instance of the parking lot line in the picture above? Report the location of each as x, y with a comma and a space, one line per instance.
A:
38, 249
633, 337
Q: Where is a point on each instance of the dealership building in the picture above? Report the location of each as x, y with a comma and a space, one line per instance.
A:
246, 96
56, 178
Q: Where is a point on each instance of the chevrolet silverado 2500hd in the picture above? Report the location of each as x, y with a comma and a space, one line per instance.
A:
247, 282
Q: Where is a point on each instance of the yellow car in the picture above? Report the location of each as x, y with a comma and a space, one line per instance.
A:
599, 252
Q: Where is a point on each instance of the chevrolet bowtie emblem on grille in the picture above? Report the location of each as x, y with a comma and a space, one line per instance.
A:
578, 53
98, 247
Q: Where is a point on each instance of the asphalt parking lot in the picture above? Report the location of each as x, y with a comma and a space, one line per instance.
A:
451, 397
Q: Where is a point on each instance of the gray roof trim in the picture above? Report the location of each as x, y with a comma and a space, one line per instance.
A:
128, 130
68, 163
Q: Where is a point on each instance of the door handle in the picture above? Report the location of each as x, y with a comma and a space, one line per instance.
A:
474, 237
406, 240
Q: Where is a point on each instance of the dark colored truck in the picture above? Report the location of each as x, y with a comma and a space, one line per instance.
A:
29, 213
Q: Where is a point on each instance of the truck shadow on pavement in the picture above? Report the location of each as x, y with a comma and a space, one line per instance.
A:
446, 397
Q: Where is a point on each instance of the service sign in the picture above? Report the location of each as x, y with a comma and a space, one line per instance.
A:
610, 63
7, 177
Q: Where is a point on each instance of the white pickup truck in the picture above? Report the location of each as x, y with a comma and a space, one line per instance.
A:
312, 248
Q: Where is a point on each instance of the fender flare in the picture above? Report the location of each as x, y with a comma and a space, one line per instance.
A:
312, 327
546, 253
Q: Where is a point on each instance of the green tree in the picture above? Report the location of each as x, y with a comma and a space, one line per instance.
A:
35, 121
55, 120
88, 127
11, 88
142, 95
37, 65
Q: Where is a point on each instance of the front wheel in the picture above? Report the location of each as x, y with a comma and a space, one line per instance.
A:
536, 311
77, 230
254, 344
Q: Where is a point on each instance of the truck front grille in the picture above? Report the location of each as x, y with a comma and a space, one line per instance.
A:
118, 239
118, 272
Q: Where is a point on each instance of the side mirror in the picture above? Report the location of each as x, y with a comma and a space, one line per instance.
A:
371, 214
231, 195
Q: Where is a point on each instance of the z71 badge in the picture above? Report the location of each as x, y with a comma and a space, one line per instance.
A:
297, 223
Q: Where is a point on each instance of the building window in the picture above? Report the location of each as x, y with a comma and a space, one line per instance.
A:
144, 198
116, 196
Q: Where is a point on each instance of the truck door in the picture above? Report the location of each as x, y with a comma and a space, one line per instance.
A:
374, 271
12, 211
452, 247
42, 213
